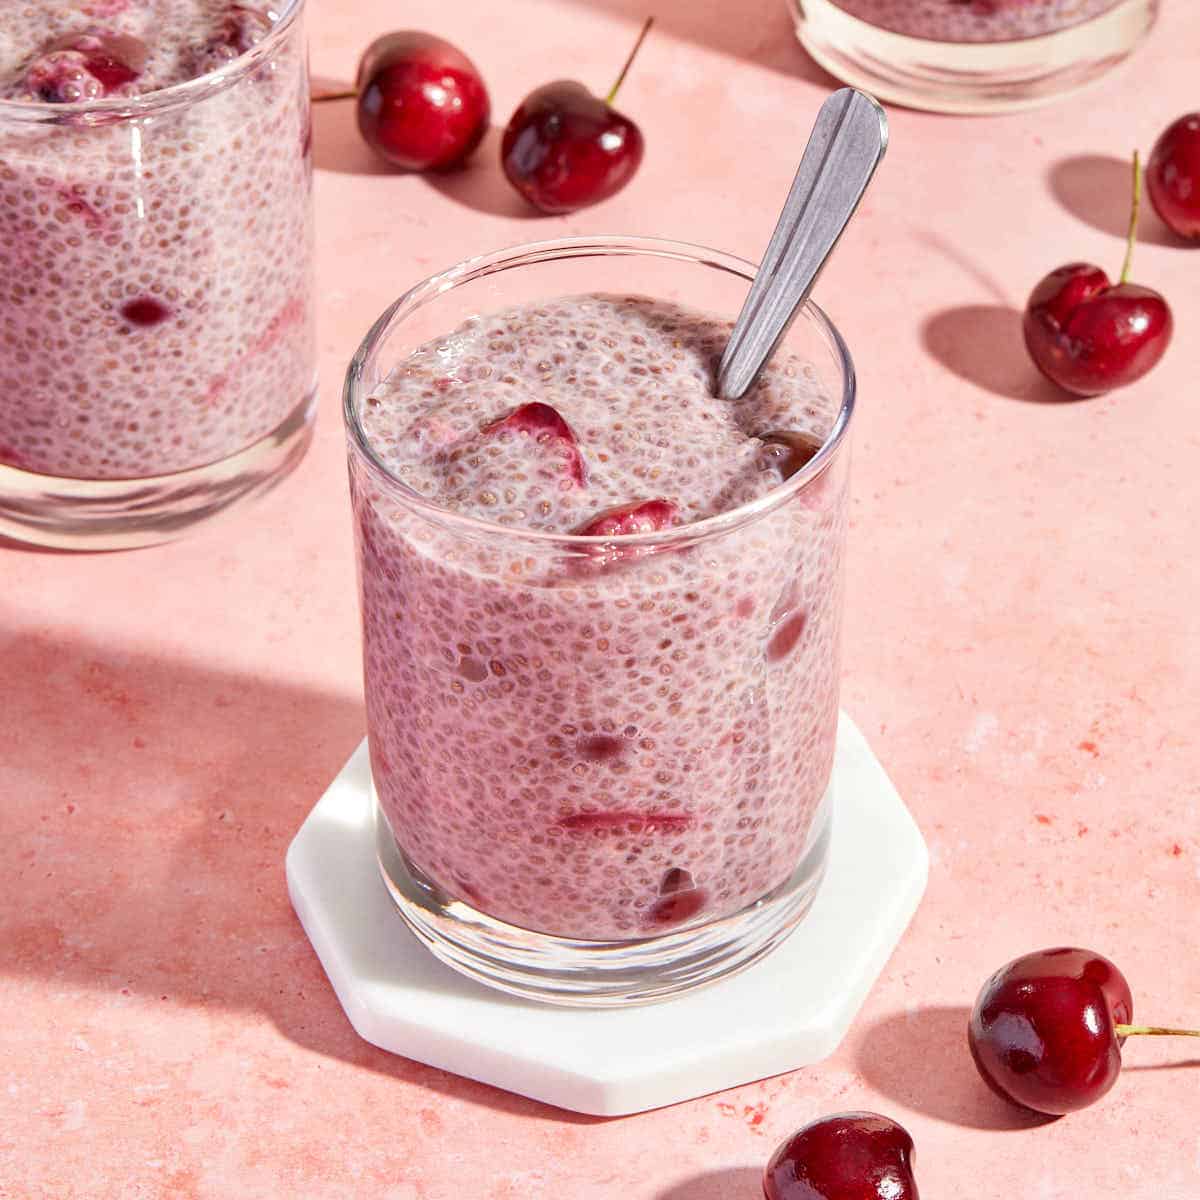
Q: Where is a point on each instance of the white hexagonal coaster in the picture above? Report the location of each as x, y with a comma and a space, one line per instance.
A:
790, 1009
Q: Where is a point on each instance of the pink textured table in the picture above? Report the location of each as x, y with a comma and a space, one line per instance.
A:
1021, 648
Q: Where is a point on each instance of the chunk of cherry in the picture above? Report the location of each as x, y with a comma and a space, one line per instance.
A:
545, 426
1090, 336
1173, 176
1047, 1029
420, 101
85, 66
848, 1156
239, 29
624, 520
565, 148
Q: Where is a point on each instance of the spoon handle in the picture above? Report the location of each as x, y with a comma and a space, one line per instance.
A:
846, 145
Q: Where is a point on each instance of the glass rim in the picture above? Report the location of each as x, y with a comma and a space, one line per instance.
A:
533, 253
87, 113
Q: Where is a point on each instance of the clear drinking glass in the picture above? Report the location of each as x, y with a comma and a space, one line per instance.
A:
971, 56
496, 671
157, 353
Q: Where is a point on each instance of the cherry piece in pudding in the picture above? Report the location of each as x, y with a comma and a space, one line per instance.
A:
641, 516
421, 102
789, 451
543, 424
848, 1156
145, 310
240, 29
85, 66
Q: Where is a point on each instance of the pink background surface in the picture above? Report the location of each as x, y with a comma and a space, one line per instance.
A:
1021, 648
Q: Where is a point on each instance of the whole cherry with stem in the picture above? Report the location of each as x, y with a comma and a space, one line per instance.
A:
565, 148
1047, 1029
1089, 336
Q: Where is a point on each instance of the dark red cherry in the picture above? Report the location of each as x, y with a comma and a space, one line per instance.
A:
849, 1156
421, 102
85, 66
1173, 176
565, 148
1047, 1029
1087, 335
544, 425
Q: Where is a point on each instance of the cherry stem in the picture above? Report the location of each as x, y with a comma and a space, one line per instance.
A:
1134, 214
616, 87
1125, 1031
321, 97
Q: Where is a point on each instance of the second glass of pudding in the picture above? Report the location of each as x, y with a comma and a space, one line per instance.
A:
601, 614
971, 56
157, 353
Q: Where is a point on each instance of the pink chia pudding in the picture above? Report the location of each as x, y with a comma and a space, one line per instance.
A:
155, 306
598, 740
975, 20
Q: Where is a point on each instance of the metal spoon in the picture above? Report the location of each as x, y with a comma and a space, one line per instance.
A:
846, 145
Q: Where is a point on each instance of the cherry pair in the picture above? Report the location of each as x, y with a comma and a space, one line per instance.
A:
422, 105
1089, 336
1046, 1034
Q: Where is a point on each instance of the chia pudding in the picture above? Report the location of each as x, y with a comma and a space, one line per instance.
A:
599, 740
975, 20
155, 251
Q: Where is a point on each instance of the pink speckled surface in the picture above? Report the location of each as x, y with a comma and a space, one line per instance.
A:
1021, 649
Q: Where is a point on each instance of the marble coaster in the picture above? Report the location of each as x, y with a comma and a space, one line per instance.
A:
790, 1009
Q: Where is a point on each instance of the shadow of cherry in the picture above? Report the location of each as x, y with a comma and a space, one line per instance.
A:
1096, 188
920, 1060
725, 1183
480, 184
983, 344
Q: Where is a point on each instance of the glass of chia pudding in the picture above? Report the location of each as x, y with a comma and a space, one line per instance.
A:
971, 55
157, 356
601, 613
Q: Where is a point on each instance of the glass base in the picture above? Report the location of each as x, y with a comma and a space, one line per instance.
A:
120, 514
970, 77
565, 971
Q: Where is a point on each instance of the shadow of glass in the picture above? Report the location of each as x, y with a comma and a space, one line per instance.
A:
920, 1060
725, 1183
983, 344
1096, 188
142, 852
